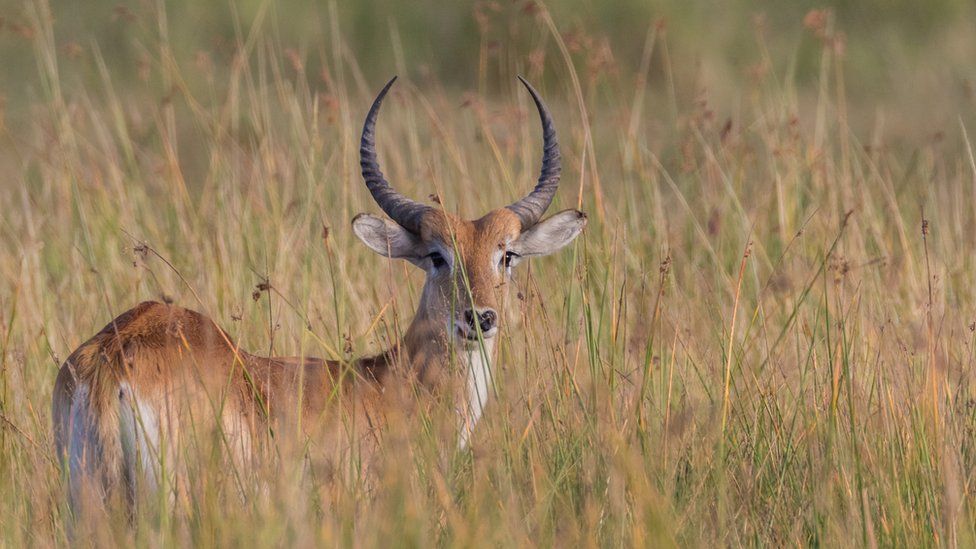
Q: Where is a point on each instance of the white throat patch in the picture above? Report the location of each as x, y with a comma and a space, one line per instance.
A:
477, 384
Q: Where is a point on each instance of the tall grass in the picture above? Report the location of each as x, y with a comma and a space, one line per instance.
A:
765, 336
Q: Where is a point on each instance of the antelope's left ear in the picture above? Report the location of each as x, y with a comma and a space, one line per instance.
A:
550, 235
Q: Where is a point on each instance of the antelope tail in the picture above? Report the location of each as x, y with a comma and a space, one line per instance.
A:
100, 436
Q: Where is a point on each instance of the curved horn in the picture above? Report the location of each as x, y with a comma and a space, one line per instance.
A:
530, 209
401, 209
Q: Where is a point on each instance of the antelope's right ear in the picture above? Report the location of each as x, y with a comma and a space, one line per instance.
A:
386, 237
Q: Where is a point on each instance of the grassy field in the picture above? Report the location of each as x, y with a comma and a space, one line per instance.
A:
765, 336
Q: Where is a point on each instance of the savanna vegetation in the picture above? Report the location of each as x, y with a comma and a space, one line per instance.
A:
764, 337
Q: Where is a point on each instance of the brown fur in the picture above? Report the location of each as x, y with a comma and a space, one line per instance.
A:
181, 363
476, 242
154, 344
425, 342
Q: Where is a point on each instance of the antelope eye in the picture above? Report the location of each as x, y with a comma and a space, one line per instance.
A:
509, 258
437, 260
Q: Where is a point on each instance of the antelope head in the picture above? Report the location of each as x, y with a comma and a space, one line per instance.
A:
467, 262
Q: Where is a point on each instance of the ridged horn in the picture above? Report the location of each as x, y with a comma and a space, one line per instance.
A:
401, 209
530, 209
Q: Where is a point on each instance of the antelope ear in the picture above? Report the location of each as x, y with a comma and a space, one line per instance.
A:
550, 235
386, 237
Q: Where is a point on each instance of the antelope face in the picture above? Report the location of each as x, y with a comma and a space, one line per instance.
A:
467, 263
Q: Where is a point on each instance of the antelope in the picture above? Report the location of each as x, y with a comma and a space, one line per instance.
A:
158, 370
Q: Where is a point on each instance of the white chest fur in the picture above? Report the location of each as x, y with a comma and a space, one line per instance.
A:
477, 390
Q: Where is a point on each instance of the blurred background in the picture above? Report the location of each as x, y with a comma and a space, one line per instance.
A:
907, 66
807, 164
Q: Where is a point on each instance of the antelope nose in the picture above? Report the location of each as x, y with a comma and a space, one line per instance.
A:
486, 319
